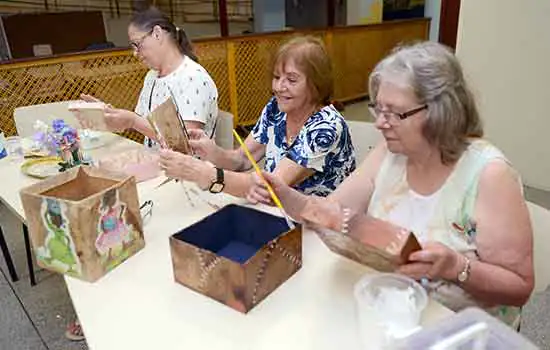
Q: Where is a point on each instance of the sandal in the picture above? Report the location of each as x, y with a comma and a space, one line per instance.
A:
74, 332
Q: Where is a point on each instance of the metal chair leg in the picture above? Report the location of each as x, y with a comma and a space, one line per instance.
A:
28, 250
7, 257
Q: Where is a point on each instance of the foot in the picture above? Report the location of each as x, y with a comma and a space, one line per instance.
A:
74, 332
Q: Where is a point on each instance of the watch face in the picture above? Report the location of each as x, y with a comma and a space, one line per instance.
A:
216, 187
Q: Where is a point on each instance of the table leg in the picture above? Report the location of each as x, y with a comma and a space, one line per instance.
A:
7, 257
29, 255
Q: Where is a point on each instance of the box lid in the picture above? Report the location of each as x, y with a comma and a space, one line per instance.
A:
463, 330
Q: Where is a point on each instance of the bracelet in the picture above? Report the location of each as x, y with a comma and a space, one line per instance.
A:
465, 273
345, 221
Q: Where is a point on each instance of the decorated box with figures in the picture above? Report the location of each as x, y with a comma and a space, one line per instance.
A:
83, 222
237, 255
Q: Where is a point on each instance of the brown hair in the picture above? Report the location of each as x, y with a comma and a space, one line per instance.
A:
434, 74
146, 20
311, 57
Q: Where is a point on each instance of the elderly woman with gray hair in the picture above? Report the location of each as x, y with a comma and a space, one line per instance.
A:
435, 175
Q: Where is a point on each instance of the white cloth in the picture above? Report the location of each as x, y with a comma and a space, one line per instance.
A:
193, 90
415, 211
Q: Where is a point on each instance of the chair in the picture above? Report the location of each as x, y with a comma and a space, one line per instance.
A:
365, 137
27, 115
540, 221
223, 134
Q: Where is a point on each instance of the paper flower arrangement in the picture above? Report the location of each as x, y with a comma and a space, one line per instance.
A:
59, 139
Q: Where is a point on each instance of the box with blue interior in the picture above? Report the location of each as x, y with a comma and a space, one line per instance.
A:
237, 256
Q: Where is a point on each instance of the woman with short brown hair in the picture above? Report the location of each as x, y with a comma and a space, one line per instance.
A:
304, 139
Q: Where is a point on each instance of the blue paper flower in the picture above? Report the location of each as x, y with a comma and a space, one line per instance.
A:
58, 125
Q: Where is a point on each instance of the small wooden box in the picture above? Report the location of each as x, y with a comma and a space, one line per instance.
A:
237, 255
83, 222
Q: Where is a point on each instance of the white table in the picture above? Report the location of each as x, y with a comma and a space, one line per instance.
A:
139, 306
13, 179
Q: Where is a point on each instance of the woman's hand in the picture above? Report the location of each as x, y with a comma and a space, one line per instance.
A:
184, 167
85, 124
321, 212
434, 261
89, 98
258, 192
118, 119
202, 145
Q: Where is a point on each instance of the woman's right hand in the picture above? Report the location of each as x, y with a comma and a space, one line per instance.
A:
202, 145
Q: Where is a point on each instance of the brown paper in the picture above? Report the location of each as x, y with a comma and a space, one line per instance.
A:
169, 128
378, 244
90, 115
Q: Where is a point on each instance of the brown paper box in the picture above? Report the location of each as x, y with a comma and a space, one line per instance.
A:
237, 256
169, 128
83, 222
370, 241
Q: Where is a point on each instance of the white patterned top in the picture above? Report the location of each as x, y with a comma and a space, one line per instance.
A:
192, 89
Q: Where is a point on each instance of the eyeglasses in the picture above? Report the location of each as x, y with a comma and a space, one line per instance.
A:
137, 44
393, 118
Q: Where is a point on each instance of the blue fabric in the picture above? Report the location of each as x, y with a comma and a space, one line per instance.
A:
323, 145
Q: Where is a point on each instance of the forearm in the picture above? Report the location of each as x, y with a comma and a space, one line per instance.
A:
237, 184
293, 202
496, 285
228, 159
142, 126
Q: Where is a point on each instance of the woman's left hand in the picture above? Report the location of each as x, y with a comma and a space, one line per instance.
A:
434, 261
184, 167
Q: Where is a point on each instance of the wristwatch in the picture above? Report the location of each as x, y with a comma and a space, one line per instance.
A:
217, 185
465, 273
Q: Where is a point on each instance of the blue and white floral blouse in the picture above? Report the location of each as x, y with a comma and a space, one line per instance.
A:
323, 145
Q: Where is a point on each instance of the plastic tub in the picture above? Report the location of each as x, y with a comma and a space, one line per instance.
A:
389, 307
470, 329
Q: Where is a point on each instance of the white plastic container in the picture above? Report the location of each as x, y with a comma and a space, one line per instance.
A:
389, 307
471, 329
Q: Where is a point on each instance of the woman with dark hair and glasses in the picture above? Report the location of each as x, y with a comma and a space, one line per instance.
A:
174, 72
437, 176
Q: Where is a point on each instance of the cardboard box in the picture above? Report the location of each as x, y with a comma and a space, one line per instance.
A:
237, 255
369, 241
83, 222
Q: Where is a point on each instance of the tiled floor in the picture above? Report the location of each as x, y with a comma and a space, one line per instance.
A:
34, 318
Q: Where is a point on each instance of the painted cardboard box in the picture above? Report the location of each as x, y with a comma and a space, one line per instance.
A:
237, 255
367, 240
83, 222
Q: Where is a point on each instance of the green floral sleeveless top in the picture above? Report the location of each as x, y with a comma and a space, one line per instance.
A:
452, 222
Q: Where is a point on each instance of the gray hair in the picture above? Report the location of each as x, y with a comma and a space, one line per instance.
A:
434, 74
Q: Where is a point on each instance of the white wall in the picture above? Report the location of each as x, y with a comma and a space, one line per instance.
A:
432, 9
504, 46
